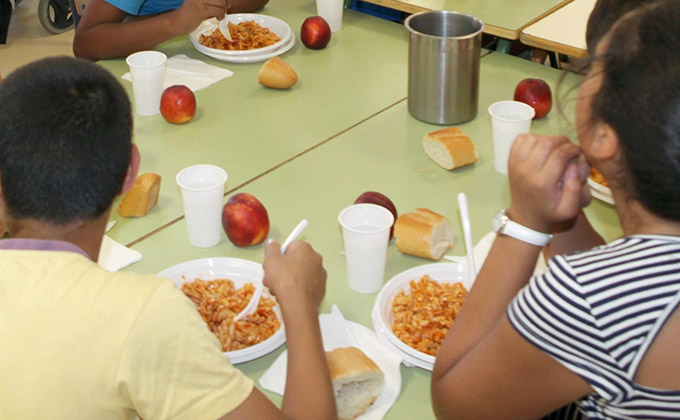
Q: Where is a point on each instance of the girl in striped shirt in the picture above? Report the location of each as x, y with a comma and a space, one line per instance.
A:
599, 328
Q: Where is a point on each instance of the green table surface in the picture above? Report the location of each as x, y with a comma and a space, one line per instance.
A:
504, 20
248, 129
383, 153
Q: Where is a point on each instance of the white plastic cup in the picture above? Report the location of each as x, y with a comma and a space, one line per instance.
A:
508, 120
366, 233
202, 188
147, 70
331, 11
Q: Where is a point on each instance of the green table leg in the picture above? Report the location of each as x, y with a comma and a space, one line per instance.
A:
503, 46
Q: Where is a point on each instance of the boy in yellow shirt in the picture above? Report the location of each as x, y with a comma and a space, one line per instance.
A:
78, 342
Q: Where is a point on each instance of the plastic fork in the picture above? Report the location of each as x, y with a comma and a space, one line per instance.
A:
224, 28
255, 300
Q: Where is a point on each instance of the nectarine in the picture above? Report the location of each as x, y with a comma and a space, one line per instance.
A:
178, 104
245, 220
536, 93
373, 197
315, 33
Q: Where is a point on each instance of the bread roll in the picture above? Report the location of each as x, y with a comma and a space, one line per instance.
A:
423, 233
450, 148
277, 74
357, 381
142, 197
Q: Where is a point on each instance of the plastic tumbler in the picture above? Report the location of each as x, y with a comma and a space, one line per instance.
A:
366, 234
202, 188
147, 71
508, 120
331, 12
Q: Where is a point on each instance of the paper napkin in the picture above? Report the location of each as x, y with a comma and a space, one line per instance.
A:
113, 255
195, 74
334, 336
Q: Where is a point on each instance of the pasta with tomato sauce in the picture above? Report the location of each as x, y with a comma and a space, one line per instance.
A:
247, 35
423, 316
218, 302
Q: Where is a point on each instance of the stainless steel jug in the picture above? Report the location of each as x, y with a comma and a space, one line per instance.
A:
443, 66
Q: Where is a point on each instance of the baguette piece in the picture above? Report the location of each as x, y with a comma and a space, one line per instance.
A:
423, 233
277, 74
357, 381
142, 197
450, 148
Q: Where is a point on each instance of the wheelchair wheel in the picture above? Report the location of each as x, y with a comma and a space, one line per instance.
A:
55, 15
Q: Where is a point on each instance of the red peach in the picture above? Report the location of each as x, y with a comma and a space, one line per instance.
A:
536, 93
245, 220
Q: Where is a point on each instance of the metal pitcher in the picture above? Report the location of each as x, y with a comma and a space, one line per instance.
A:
443, 66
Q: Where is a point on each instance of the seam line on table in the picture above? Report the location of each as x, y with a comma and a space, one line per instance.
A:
544, 15
172, 222
553, 46
272, 169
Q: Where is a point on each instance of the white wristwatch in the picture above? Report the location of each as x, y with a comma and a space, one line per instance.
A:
504, 226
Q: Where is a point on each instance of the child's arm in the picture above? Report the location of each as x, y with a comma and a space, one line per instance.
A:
577, 235
483, 355
246, 6
298, 280
108, 32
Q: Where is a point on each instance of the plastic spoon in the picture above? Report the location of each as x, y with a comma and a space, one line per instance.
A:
255, 300
224, 28
467, 235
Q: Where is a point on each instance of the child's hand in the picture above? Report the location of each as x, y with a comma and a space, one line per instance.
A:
193, 12
297, 278
548, 177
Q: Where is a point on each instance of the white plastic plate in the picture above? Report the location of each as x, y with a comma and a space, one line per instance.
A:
240, 272
382, 309
275, 25
253, 58
600, 192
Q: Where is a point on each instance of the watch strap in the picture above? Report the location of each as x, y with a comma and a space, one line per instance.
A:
521, 232
526, 234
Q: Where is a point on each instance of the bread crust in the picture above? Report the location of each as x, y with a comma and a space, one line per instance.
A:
142, 197
345, 362
416, 231
351, 368
445, 132
459, 149
277, 74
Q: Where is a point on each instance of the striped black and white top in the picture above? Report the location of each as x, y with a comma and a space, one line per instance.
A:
597, 312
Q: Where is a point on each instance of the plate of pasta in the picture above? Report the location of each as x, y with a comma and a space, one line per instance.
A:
253, 58
415, 309
254, 37
220, 288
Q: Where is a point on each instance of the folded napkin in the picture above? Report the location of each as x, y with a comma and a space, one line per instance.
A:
336, 335
114, 256
195, 74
